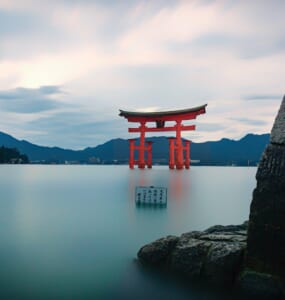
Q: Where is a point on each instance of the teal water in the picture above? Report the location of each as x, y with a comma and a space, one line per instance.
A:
72, 232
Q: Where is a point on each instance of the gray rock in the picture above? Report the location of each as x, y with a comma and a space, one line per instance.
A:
225, 237
278, 131
157, 253
223, 262
260, 286
214, 254
228, 228
188, 258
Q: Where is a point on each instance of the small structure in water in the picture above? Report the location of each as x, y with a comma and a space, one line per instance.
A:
176, 148
151, 195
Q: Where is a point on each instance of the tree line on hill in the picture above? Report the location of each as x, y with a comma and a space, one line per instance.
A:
12, 156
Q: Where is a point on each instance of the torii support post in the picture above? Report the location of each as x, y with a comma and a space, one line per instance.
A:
141, 147
132, 154
179, 147
149, 154
187, 154
176, 148
171, 153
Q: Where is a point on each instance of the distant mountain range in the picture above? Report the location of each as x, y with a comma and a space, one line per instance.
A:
246, 151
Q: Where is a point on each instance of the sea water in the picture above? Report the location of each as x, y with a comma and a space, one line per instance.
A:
72, 232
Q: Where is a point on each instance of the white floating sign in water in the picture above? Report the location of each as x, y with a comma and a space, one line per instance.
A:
151, 195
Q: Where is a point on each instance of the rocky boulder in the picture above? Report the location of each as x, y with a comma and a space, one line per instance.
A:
157, 253
214, 255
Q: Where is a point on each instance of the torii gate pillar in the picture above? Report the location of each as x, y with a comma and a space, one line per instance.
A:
187, 154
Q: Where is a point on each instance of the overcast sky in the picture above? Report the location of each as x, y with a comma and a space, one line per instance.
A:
68, 66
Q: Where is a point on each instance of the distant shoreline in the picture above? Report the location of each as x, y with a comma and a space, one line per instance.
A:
245, 152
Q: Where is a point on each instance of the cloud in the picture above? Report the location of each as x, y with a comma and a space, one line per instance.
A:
26, 100
251, 122
63, 128
210, 127
198, 27
263, 97
12, 23
26, 33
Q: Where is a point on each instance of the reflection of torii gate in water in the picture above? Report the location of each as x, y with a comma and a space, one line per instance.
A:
176, 147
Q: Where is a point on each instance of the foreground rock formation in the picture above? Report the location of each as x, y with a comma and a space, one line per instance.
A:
253, 259
215, 254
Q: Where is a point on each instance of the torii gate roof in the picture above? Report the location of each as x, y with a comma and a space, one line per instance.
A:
186, 114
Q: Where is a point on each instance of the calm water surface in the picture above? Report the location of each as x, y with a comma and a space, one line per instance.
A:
72, 232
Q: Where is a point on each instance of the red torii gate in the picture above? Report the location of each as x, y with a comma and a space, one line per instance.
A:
176, 147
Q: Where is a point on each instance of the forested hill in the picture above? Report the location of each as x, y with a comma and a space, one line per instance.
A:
246, 151
12, 156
